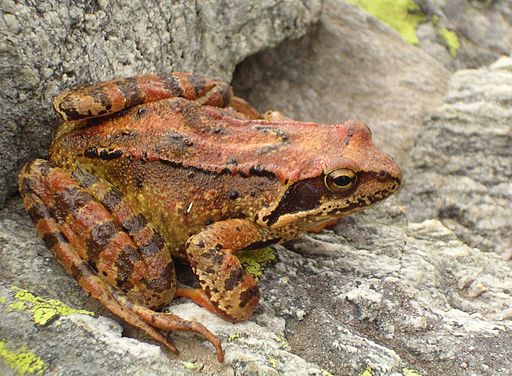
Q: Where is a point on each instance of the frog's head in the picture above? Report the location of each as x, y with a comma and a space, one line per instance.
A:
351, 175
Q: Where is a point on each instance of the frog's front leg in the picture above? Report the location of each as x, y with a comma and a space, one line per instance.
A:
109, 97
230, 291
110, 249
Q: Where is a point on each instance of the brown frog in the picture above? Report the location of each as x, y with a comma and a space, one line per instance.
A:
149, 168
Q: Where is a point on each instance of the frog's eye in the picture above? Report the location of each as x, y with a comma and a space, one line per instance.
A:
340, 180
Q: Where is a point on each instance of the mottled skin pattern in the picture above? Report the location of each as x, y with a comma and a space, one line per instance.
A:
157, 166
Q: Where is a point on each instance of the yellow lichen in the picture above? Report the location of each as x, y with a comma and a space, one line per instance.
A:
255, 261
402, 15
283, 343
234, 336
325, 372
448, 37
366, 372
188, 365
273, 361
410, 372
43, 310
450, 40
23, 362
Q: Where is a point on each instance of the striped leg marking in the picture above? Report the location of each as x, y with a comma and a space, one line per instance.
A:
88, 240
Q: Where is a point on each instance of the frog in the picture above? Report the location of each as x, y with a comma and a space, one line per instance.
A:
161, 167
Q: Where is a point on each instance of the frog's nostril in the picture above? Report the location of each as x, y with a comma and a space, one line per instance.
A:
382, 175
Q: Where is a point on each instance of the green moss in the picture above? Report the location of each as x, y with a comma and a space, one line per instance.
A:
43, 310
366, 372
410, 372
255, 261
402, 15
273, 361
23, 362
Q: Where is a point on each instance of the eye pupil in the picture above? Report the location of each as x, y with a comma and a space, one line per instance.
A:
342, 180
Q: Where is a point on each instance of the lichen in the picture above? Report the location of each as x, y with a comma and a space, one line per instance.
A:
325, 372
273, 361
402, 15
189, 365
366, 372
43, 310
448, 37
450, 40
255, 261
410, 372
283, 343
23, 362
234, 336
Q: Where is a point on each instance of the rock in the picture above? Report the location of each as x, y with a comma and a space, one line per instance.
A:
350, 67
461, 161
46, 47
466, 34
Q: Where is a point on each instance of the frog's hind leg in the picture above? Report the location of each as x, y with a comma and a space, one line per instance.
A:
109, 97
89, 240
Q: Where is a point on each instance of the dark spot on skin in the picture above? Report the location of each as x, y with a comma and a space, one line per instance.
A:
198, 83
199, 244
214, 255
100, 96
172, 84
101, 234
208, 221
112, 198
234, 278
53, 238
282, 135
217, 130
179, 165
176, 139
218, 247
125, 262
259, 170
103, 154
38, 212
67, 106
252, 193
83, 178
155, 245
233, 195
70, 201
232, 162
249, 295
131, 93
191, 174
135, 224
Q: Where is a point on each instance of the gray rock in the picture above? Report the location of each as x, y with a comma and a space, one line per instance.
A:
461, 161
49, 46
483, 30
350, 67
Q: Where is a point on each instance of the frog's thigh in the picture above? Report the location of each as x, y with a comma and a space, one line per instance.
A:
112, 238
231, 290
38, 180
108, 97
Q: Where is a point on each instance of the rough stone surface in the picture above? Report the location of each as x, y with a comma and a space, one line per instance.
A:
483, 29
461, 164
351, 67
49, 46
